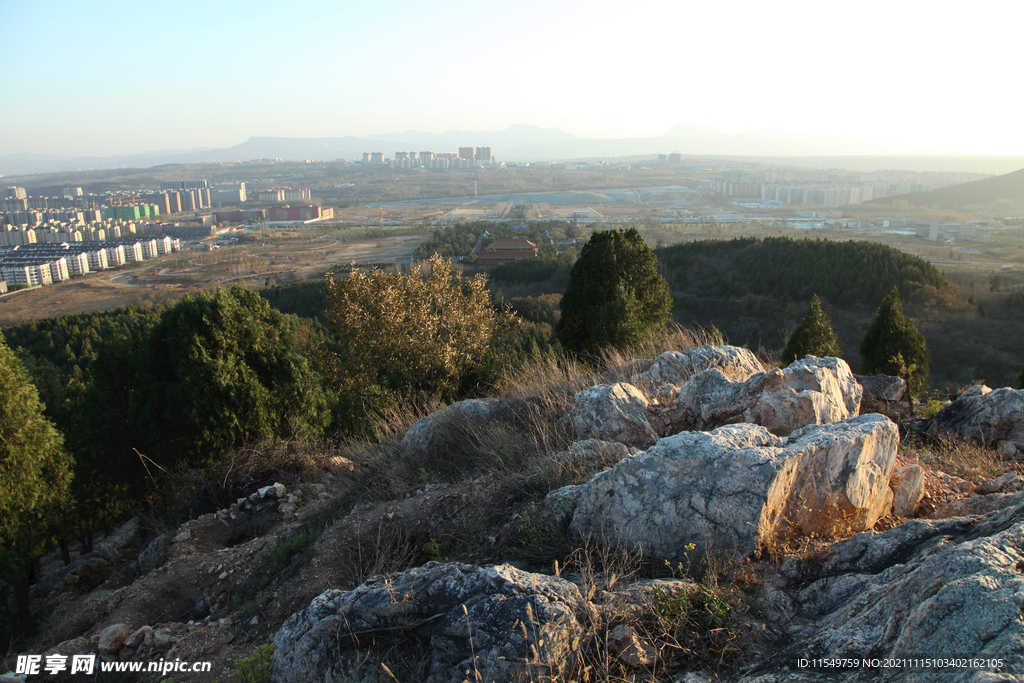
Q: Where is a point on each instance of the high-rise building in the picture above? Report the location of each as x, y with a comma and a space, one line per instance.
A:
184, 185
228, 193
483, 154
15, 193
465, 152
72, 192
377, 159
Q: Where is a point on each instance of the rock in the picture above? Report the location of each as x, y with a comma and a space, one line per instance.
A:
980, 505
982, 413
611, 412
1011, 481
155, 554
738, 487
882, 388
624, 643
592, 455
275, 490
669, 371
559, 507
500, 622
75, 646
809, 391
181, 537
430, 431
161, 639
907, 484
337, 462
112, 638
922, 590
138, 637
1006, 449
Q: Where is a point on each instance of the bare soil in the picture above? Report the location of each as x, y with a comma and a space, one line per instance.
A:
282, 257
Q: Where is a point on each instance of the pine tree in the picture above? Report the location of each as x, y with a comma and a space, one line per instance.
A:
893, 346
221, 370
35, 477
812, 336
615, 295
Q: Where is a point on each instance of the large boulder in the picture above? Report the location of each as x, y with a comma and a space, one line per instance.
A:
882, 389
739, 487
442, 620
810, 391
611, 412
919, 593
669, 371
982, 413
434, 429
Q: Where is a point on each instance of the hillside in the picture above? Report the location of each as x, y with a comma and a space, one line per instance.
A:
460, 541
1005, 190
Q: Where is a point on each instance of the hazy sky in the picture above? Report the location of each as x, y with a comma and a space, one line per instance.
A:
112, 76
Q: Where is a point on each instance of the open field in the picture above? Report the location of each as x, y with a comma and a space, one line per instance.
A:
282, 257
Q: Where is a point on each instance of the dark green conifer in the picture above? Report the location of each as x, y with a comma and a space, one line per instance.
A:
615, 295
812, 336
893, 346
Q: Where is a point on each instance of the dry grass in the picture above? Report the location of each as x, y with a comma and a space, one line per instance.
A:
551, 383
965, 459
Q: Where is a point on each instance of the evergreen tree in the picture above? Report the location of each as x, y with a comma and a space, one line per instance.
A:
893, 346
615, 295
35, 476
812, 336
218, 371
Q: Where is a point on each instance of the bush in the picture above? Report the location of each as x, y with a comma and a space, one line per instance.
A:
425, 335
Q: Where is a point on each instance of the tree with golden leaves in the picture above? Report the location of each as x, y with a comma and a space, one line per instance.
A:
424, 333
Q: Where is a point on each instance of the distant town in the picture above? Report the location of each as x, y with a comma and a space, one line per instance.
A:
46, 239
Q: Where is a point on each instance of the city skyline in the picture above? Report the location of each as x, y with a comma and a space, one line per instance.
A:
117, 78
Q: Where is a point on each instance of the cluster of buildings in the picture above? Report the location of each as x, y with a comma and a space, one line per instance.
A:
830, 194
468, 157
44, 264
109, 229
974, 231
290, 214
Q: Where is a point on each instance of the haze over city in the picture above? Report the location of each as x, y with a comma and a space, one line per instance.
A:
121, 78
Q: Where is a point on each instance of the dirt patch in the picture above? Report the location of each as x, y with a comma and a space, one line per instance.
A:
167, 278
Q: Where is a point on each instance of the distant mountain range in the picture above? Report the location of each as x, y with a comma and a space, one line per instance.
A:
1003, 188
520, 142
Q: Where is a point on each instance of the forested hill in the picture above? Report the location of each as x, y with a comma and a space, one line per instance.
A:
1003, 188
844, 273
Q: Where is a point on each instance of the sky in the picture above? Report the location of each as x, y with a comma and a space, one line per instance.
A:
117, 77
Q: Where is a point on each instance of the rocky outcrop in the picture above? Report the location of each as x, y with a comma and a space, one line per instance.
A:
921, 591
907, 484
809, 391
155, 554
882, 389
738, 487
669, 371
498, 623
611, 412
982, 413
431, 431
